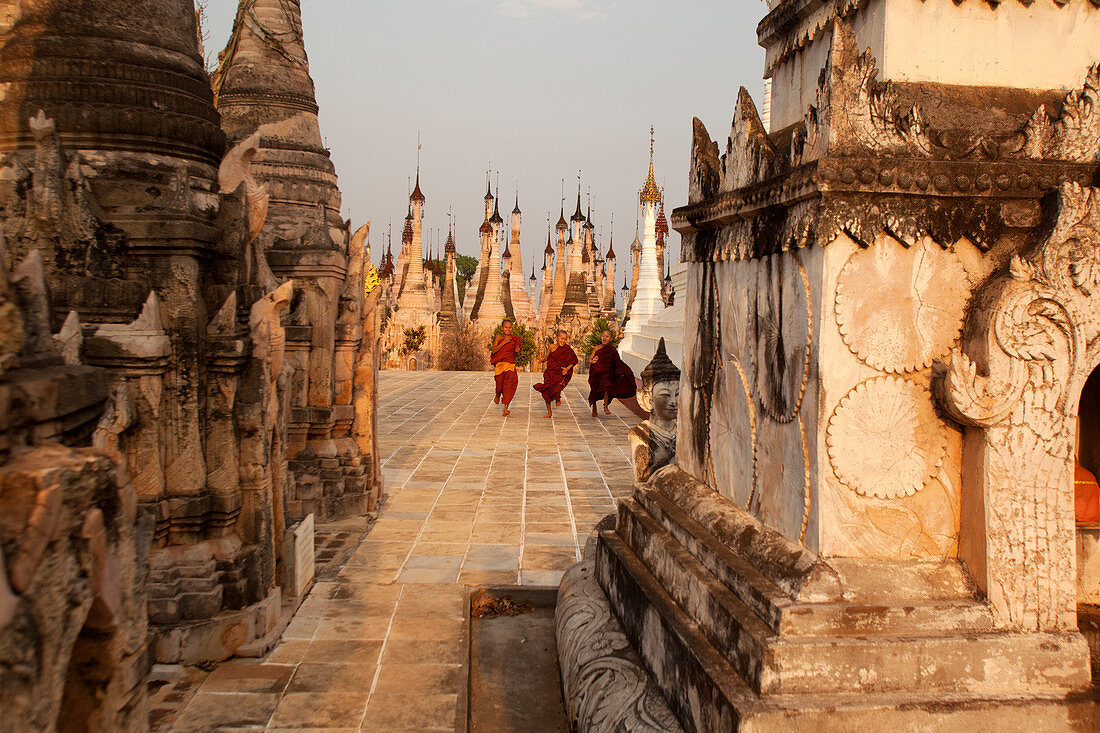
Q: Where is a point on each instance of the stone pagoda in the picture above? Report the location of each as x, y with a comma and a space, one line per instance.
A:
264, 89
413, 309
518, 299
870, 520
139, 233
488, 308
646, 299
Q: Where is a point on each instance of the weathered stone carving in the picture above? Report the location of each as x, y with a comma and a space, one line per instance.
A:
854, 114
783, 334
1016, 385
749, 154
891, 326
1073, 135
606, 686
885, 439
72, 610
733, 435
653, 441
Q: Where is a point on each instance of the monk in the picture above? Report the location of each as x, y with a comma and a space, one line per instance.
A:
610, 378
559, 370
502, 356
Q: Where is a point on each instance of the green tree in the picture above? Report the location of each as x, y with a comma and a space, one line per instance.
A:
593, 340
465, 266
528, 346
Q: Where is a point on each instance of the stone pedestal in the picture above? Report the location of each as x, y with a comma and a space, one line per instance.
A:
870, 523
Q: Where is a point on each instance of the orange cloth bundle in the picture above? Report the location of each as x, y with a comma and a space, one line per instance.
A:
1086, 494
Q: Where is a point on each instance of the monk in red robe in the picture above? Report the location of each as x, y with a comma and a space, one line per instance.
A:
559, 370
610, 378
502, 356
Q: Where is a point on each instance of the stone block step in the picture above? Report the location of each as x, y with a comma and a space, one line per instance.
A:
848, 662
933, 614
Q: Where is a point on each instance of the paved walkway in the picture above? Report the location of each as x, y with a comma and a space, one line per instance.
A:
471, 499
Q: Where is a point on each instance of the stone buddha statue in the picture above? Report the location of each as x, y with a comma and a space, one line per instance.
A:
653, 442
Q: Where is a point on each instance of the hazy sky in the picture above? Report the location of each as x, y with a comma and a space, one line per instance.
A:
539, 88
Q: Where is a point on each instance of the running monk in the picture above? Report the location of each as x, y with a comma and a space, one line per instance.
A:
610, 378
559, 370
505, 349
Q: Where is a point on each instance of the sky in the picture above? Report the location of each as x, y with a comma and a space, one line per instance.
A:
536, 90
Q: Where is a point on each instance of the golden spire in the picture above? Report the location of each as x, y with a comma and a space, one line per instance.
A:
650, 193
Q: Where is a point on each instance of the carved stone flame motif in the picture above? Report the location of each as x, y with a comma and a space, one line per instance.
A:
885, 439
900, 308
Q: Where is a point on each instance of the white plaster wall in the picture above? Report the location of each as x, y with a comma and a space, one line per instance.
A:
1039, 47
1043, 46
794, 82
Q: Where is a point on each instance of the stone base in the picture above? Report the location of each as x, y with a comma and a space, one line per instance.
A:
218, 638
741, 629
604, 683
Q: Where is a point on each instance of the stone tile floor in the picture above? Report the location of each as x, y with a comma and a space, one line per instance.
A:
471, 499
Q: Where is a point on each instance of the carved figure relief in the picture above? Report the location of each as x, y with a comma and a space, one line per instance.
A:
899, 308
885, 439
1034, 335
782, 334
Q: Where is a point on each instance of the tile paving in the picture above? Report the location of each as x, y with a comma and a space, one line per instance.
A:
472, 499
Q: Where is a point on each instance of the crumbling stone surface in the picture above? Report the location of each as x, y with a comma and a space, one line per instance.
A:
136, 244
267, 102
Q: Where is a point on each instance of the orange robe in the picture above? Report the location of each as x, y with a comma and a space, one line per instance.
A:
1086, 494
504, 364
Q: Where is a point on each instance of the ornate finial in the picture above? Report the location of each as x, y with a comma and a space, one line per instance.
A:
650, 193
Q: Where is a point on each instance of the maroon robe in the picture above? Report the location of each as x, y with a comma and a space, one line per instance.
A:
553, 380
609, 376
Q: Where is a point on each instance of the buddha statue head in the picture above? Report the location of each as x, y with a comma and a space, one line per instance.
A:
660, 393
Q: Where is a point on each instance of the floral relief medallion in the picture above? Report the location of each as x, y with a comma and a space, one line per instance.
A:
733, 435
899, 308
885, 439
782, 336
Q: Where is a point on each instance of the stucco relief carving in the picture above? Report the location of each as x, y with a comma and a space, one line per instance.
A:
1074, 134
900, 308
749, 154
783, 334
606, 686
854, 111
885, 439
1017, 383
733, 435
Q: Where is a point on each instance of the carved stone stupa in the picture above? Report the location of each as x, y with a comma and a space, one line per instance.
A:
870, 523
115, 184
264, 88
